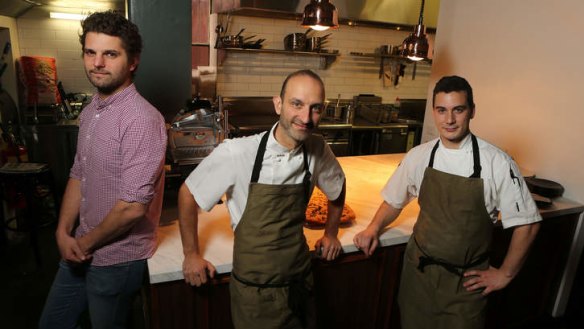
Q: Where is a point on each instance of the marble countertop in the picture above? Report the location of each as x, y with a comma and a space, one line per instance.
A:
366, 175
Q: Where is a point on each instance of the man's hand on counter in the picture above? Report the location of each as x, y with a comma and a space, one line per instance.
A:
366, 241
197, 270
328, 247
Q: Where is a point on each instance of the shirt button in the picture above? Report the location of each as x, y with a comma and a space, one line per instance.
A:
83, 179
87, 137
83, 199
97, 115
84, 158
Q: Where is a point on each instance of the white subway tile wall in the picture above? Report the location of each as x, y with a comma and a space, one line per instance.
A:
247, 74
41, 36
262, 74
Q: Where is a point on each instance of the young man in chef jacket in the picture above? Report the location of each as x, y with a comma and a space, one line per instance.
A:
463, 184
267, 179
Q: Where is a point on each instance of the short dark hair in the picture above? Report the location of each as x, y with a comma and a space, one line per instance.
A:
454, 83
308, 73
114, 24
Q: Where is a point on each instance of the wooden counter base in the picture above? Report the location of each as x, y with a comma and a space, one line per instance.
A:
359, 292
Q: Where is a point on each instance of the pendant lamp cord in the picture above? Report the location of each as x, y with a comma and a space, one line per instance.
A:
421, 19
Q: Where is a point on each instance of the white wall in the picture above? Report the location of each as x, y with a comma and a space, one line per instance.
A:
40, 35
263, 74
9, 77
523, 59
524, 63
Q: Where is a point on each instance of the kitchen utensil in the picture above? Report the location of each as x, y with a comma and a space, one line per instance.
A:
239, 33
219, 29
295, 41
313, 44
253, 44
316, 43
544, 187
232, 41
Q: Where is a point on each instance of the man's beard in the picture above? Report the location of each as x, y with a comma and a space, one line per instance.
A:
106, 87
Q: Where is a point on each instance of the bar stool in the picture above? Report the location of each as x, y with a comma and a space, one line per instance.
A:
27, 191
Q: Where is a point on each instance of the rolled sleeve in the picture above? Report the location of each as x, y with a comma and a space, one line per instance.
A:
143, 151
212, 177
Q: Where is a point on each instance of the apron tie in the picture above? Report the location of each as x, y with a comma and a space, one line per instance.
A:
426, 260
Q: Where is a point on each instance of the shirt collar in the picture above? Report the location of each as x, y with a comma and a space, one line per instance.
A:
103, 104
465, 144
274, 146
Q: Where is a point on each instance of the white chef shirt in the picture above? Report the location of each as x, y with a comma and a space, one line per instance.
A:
505, 191
227, 170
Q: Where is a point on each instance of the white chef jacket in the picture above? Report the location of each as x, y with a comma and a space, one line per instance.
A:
227, 170
505, 191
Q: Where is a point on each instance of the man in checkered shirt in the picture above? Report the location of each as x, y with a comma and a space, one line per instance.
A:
113, 199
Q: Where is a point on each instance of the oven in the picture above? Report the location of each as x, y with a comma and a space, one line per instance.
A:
337, 137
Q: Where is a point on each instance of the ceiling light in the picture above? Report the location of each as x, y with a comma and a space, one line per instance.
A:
415, 46
76, 17
320, 15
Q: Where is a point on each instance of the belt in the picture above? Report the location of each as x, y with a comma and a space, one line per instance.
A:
426, 260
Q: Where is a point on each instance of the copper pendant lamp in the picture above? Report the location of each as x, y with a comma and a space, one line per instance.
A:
320, 15
415, 46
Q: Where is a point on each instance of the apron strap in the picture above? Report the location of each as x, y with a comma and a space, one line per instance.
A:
475, 153
476, 157
307, 176
431, 164
257, 166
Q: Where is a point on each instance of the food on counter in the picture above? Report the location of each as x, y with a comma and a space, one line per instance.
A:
316, 211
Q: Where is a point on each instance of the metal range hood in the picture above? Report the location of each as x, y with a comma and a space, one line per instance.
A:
378, 13
16, 8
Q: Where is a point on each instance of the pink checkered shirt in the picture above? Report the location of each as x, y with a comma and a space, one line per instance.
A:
120, 156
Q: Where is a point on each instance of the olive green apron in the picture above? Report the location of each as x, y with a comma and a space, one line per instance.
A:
271, 277
452, 234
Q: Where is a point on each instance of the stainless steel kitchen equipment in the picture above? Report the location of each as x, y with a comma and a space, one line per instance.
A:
195, 132
375, 130
252, 115
338, 138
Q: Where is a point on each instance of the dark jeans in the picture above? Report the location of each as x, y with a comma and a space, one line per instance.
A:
108, 292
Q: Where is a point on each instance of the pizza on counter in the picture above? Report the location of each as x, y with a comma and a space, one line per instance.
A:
316, 211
